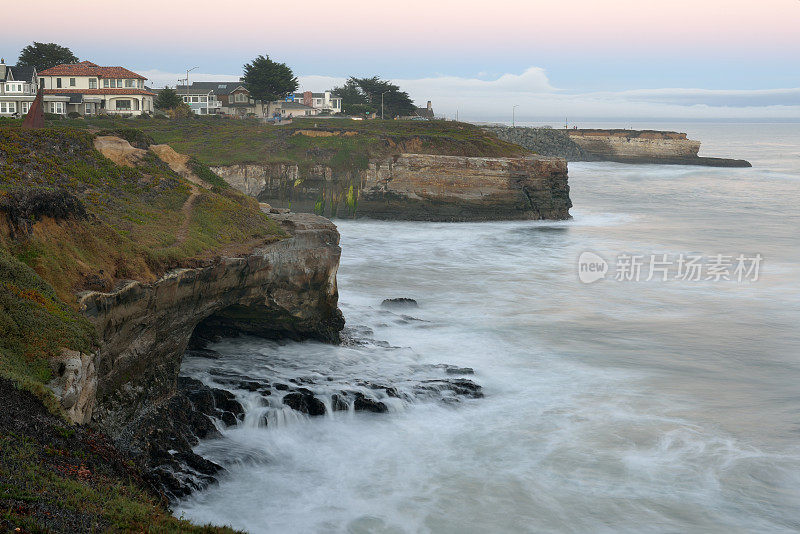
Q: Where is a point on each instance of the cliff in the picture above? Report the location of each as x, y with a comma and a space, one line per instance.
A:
114, 254
623, 146
283, 290
415, 187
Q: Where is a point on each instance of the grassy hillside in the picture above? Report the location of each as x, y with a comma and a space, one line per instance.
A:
340, 143
55, 477
70, 220
83, 222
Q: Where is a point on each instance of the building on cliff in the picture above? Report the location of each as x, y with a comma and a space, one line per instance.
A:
88, 89
421, 113
18, 87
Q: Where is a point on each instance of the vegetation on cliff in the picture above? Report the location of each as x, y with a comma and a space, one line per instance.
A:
338, 143
71, 220
55, 477
83, 222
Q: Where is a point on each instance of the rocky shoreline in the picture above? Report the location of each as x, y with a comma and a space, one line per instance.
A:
621, 146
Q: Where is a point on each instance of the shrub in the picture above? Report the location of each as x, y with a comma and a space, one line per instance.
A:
26, 206
73, 115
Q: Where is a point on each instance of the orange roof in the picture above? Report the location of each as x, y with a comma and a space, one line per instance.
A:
87, 68
130, 91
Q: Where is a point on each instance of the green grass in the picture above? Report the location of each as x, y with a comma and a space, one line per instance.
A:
216, 141
134, 228
34, 326
56, 479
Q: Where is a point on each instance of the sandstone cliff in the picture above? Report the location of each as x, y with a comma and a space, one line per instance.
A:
283, 290
415, 187
624, 146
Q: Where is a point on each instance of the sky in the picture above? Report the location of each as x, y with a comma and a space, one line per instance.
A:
585, 59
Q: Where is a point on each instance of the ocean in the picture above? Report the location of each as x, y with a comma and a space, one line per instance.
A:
621, 405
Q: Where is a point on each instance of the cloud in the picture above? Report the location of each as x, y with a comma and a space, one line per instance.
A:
478, 99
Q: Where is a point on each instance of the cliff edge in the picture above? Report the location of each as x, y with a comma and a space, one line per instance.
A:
114, 254
622, 146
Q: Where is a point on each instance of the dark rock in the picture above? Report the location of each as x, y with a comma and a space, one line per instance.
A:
304, 403
338, 403
452, 370
365, 404
401, 302
281, 387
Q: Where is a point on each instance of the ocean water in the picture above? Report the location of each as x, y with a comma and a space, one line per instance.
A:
617, 406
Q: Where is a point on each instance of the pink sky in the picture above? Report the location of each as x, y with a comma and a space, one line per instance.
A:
718, 26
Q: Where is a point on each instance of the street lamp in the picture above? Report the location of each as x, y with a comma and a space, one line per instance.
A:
187, 79
383, 93
513, 116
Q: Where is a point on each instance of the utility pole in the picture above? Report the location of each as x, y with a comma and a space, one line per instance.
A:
513, 116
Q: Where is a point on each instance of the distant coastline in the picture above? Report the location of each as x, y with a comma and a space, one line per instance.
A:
617, 145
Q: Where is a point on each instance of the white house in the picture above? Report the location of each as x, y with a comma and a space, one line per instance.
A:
92, 89
18, 86
323, 102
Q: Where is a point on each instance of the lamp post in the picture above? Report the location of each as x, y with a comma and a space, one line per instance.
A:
513, 116
187, 85
383, 93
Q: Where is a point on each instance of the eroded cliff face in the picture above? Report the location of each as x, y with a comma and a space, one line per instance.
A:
624, 146
634, 145
286, 289
416, 187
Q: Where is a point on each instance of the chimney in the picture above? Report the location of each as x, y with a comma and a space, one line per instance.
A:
430, 107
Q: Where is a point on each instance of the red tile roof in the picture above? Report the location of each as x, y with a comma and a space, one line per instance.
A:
130, 91
87, 68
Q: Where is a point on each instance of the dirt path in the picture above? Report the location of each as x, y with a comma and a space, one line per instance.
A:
188, 206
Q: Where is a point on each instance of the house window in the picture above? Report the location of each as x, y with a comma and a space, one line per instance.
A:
26, 106
124, 105
203, 99
88, 109
195, 99
119, 84
106, 82
57, 107
72, 82
186, 99
93, 83
129, 83
58, 83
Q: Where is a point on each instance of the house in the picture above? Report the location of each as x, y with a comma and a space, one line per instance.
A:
18, 86
424, 113
89, 89
287, 110
213, 98
325, 102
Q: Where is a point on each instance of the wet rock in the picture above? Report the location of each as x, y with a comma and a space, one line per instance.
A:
304, 403
398, 303
365, 404
454, 370
281, 387
458, 387
338, 403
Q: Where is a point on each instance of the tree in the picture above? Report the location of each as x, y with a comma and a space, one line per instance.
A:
268, 80
168, 99
45, 55
363, 95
